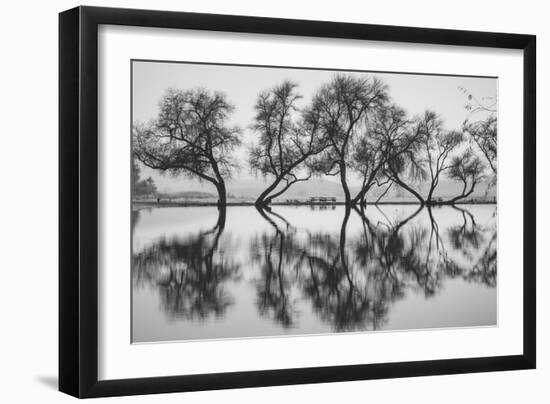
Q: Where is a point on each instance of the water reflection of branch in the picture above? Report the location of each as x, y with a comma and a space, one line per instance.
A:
464, 237
268, 214
469, 239
342, 292
485, 269
398, 256
274, 254
383, 249
338, 297
352, 282
189, 273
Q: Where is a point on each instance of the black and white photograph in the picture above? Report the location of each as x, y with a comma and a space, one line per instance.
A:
274, 201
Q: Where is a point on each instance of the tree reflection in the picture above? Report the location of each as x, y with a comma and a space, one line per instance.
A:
467, 250
468, 236
275, 254
341, 291
425, 258
351, 281
381, 249
478, 245
189, 273
485, 269
350, 276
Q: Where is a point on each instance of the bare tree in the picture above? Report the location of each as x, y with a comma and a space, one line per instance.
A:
484, 135
430, 158
284, 143
468, 169
482, 131
191, 136
386, 137
438, 146
342, 107
401, 162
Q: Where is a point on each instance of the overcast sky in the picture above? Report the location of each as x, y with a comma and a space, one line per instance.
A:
415, 93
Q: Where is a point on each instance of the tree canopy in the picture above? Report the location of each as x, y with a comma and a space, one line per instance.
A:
287, 137
342, 107
191, 136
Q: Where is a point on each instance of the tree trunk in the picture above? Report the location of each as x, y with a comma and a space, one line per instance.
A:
399, 182
344, 182
262, 199
286, 187
454, 200
222, 204
360, 197
430, 194
383, 193
222, 195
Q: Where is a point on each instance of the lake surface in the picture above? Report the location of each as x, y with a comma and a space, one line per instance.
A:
306, 270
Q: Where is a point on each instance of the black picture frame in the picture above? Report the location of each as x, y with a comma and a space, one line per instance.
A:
78, 201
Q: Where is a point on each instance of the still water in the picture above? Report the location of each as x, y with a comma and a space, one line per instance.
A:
303, 270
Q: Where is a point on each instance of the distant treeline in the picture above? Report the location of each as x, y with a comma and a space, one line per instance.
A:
142, 186
350, 125
186, 194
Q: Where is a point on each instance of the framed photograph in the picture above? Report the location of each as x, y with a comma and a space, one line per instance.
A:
251, 201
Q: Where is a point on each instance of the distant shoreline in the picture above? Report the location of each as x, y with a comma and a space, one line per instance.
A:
167, 204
